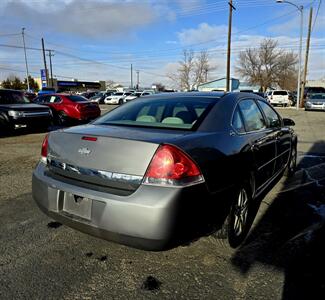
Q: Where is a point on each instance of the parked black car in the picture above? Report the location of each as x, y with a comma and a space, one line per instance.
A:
17, 110
88, 95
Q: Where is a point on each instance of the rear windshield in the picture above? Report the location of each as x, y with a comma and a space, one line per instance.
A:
311, 90
76, 98
118, 94
280, 93
177, 113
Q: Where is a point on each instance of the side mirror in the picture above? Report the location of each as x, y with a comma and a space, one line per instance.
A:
288, 122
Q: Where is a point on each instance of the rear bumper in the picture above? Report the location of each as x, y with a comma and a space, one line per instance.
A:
279, 102
150, 218
315, 107
89, 116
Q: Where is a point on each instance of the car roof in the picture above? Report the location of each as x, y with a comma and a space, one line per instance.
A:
216, 95
12, 90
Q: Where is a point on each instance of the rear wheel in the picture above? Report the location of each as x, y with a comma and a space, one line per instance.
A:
292, 165
5, 126
61, 118
120, 102
239, 219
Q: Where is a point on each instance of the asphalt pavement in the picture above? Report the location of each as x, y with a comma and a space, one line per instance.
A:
281, 258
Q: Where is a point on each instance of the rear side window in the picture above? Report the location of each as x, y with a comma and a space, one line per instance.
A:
237, 122
272, 117
253, 117
177, 113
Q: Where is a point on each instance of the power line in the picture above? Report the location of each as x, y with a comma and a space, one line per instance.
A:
10, 34
319, 5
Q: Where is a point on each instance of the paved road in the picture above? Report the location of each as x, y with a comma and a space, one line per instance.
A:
280, 260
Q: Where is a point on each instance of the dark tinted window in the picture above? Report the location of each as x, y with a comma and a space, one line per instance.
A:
76, 98
54, 99
162, 113
237, 122
280, 93
315, 90
272, 117
253, 117
12, 97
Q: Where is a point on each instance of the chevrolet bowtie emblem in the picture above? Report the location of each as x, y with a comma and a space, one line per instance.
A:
84, 151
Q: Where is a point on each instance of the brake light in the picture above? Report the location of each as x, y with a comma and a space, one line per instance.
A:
89, 138
44, 148
171, 166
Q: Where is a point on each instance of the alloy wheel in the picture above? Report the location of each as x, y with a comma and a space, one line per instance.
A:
240, 212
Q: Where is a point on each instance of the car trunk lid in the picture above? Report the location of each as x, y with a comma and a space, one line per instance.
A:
99, 159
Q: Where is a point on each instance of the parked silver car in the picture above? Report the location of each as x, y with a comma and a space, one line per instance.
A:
152, 171
315, 102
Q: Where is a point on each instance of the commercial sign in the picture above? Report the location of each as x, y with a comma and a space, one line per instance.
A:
43, 78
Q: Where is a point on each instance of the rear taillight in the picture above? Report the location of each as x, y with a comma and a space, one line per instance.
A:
44, 148
171, 166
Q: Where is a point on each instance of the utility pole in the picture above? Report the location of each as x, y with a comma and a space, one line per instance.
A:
131, 76
306, 58
231, 7
27, 73
50, 55
44, 60
138, 79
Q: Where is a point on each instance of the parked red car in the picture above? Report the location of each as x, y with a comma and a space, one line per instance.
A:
67, 107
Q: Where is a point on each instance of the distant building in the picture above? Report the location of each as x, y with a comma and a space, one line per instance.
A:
218, 85
245, 86
75, 85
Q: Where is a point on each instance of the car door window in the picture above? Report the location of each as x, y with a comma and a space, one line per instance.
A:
237, 122
253, 117
54, 99
272, 118
46, 99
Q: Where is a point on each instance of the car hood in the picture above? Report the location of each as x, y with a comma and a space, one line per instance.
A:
27, 106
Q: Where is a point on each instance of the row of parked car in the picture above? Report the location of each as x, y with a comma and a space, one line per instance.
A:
17, 110
114, 97
313, 96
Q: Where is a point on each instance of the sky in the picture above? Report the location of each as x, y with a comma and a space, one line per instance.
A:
100, 39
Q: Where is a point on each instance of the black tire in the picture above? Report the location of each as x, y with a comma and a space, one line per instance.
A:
5, 126
239, 219
292, 164
61, 118
120, 102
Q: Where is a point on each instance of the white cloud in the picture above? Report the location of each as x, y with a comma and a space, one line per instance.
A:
87, 18
202, 34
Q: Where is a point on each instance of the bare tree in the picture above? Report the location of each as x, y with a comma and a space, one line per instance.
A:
110, 84
193, 70
202, 68
267, 65
185, 70
287, 79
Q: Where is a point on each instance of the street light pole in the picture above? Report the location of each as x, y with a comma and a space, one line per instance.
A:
27, 73
301, 10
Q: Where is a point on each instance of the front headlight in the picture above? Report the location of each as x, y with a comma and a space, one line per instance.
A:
308, 103
15, 114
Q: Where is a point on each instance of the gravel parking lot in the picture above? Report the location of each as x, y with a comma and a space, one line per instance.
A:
40, 259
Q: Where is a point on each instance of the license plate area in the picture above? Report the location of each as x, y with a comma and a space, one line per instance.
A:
77, 205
